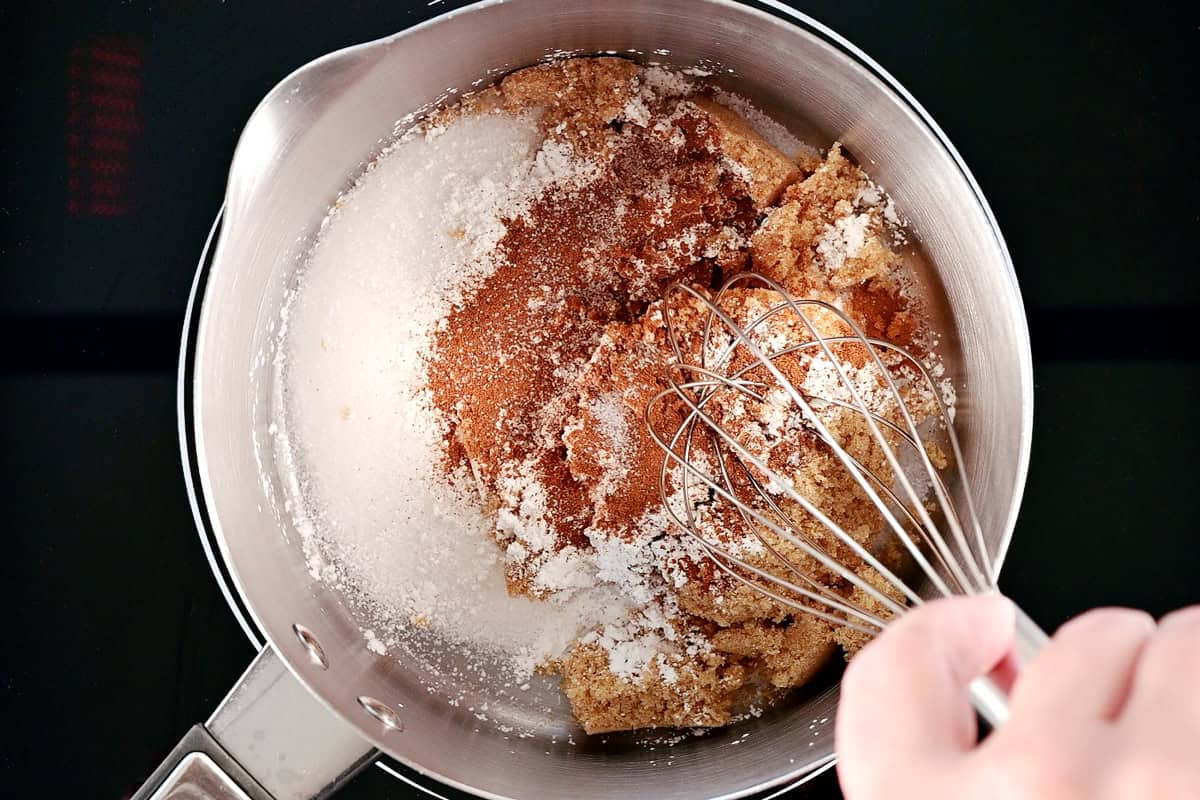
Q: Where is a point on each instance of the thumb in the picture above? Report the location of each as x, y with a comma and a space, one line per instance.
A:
904, 697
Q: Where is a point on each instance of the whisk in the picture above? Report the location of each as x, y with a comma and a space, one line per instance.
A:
744, 360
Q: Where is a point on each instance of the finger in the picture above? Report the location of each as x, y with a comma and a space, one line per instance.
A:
1086, 670
904, 696
1167, 681
1005, 673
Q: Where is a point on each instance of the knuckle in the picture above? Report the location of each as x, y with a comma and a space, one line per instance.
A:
1149, 773
1173, 653
866, 666
1036, 766
1106, 620
1188, 617
861, 783
1040, 780
902, 643
913, 635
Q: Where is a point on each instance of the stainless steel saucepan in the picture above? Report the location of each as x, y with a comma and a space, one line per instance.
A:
317, 704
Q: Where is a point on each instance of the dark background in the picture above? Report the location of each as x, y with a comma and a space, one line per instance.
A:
1080, 123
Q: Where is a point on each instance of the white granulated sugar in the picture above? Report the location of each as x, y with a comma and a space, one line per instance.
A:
843, 239
357, 446
373, 643
360, 446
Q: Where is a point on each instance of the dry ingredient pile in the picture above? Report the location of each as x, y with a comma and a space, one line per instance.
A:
521, 338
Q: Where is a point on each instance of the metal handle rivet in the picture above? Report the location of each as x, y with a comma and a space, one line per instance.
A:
382, 712
310, 644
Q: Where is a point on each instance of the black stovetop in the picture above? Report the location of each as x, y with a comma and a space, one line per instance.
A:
119, 121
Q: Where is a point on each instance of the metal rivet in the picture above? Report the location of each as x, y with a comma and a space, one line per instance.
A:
311, 645
382, 712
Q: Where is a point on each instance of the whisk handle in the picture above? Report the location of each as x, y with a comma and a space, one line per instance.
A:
989, 699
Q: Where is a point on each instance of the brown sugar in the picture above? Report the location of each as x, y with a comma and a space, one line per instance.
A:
785, 655
769, 171
580, 96
543, 373
667, 695
828, 239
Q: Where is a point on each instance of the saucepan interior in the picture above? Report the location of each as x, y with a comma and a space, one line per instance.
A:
307, 142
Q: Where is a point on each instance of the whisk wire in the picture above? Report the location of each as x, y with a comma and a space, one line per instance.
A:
743, 479
721, 556
898, 472
984, 578
902, 508
829, 596
741, 336
987, 576
937, 544
689, 468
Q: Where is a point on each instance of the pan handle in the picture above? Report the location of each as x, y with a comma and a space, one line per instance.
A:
269, 739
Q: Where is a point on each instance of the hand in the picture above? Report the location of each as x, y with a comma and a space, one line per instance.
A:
1109, 710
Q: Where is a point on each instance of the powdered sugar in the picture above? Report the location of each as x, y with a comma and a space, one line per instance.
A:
613, 426
823, 381
872, 196
843, 240
667, 83
523, 513
630, 647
